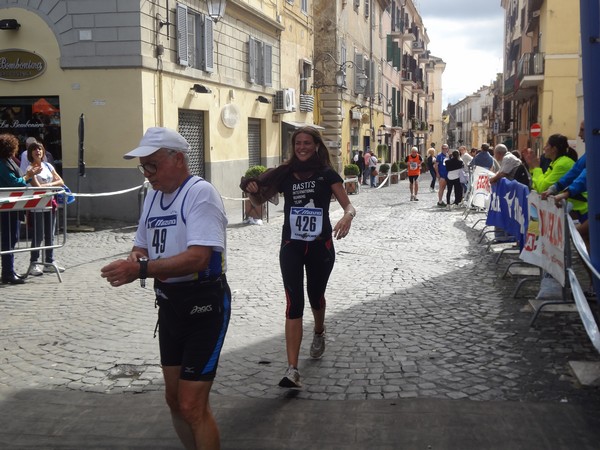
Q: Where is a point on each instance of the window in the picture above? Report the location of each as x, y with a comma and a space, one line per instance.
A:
357, 5
366, 8
260, 62
304, 6
305, 74
194, 39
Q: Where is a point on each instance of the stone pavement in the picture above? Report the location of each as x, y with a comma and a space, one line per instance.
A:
426, 348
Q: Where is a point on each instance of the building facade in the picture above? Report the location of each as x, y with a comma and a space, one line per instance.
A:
88, 78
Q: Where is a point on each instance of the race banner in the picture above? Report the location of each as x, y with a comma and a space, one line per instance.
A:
508, 208
481, 187
545, 242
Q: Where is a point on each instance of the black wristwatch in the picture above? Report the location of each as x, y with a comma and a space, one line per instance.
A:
143, 271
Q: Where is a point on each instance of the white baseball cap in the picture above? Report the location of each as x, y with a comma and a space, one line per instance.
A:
157, 138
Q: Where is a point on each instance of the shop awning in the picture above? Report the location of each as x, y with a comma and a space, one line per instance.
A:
43, 107
302, 124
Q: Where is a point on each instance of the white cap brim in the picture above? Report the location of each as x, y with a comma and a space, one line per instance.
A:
140, 152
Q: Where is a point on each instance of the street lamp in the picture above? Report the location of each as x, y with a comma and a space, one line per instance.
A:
340, 74
216, 9
379, 97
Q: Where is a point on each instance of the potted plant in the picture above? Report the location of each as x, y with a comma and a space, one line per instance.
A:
402, 166
394, 175
384, 169
351, 171
252, 213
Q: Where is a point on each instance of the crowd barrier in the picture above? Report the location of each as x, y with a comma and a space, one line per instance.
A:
543, 234
42, 222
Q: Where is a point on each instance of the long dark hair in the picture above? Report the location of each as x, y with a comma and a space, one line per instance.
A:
322, 152
560, 142
269, 181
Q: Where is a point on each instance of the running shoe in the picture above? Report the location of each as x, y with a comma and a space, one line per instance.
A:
441, 204
291, 379
416, 199
318, 345
35, 270
52, 269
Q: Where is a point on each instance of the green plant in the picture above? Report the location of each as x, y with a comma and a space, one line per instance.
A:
351, 170
255, 171
402, 165
384, 168
395, 167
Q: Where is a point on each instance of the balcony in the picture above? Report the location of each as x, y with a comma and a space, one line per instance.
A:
510, 85
530, 70
424, 57
419, 87
418, 47
403, 32
407, 77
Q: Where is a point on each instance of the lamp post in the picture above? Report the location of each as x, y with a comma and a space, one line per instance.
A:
340, 74
216, 9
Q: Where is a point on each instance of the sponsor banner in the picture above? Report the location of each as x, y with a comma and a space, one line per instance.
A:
481, 187
508, 208
545, 240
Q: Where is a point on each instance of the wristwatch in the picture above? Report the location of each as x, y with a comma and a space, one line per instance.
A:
351, 213
143, 271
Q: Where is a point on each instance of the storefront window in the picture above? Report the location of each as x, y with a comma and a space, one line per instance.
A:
37, 117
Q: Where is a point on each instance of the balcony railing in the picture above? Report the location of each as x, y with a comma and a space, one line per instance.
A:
531, 64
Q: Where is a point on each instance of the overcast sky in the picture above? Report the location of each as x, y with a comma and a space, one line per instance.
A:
468, 35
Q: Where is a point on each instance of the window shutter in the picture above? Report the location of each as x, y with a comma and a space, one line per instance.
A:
390, 48
358, 68
252, 60
182, 35
368, 88
268, 65
397, 57
208, 45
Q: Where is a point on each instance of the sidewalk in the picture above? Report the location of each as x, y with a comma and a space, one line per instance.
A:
426, 348
34, 419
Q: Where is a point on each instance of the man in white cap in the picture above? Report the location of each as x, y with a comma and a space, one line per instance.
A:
180, 242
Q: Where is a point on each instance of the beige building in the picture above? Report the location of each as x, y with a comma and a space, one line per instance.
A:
235, 85
541, 70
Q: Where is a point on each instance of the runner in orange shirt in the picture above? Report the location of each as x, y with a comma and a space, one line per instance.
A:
414, 162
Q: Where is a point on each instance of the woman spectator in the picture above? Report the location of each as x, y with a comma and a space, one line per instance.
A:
307, 181
556, 151
11, 177
454, 165
44, 223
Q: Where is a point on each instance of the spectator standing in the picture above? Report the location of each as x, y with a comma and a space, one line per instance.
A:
441, 173
366, 169
413, 164
483, 158
466, 159
431, 167
44, 223
372, 169
360, 162
11, 177
454, 166
180, 242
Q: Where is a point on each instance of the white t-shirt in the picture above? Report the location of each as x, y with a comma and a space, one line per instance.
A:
45, 176
192, 215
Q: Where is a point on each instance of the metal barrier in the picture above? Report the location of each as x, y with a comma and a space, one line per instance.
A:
38, 217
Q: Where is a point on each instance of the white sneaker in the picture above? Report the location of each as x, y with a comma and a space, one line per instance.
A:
291, 379
52, 269
35, 270
318, 345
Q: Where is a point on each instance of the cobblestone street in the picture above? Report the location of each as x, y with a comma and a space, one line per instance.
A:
416, 308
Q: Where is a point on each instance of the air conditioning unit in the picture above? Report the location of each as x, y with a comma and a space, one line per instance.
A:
285, 100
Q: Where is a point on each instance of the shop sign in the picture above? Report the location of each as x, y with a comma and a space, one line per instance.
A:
20, 65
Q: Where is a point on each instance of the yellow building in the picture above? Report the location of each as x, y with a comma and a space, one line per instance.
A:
127, 66
541, 73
